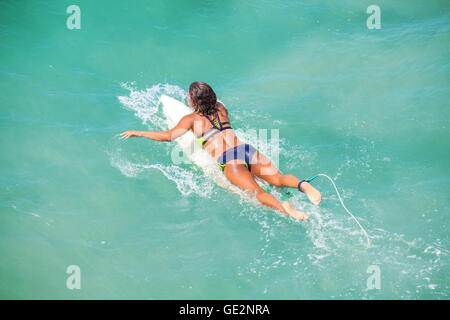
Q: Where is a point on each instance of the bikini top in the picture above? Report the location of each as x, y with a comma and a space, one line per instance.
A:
217, 126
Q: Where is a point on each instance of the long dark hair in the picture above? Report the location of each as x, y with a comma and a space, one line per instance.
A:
203, 98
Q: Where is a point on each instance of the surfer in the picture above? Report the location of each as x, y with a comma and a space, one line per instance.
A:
239, 161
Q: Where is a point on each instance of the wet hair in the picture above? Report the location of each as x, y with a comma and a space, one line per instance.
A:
203, 98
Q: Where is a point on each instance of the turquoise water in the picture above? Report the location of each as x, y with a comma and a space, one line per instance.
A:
367, 107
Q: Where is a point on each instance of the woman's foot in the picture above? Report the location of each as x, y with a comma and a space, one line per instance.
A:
312, 193
297, 215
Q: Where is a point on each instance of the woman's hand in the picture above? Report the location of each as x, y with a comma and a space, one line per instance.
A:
130, 134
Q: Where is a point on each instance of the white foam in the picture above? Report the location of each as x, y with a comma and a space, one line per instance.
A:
187, 181
145, 103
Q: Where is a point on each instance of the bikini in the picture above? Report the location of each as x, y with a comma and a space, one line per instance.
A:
242, 152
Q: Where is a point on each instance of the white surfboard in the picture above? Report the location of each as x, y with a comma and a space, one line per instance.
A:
174, 110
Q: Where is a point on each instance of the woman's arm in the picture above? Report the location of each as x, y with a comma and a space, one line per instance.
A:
181, 128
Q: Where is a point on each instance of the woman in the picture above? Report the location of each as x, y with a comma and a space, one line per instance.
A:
238, 161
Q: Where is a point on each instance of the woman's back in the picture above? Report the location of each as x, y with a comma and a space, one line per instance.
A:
217, 131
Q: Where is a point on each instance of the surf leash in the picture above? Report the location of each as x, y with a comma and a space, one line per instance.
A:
342, 203
285, 195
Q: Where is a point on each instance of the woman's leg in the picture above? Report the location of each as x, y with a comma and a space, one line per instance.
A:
263, 168
238, 174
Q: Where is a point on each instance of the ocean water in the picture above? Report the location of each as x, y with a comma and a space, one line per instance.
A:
370, 108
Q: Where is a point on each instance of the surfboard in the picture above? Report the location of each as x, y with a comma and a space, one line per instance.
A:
174, 110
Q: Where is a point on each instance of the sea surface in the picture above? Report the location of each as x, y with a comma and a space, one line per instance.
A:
368, 107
